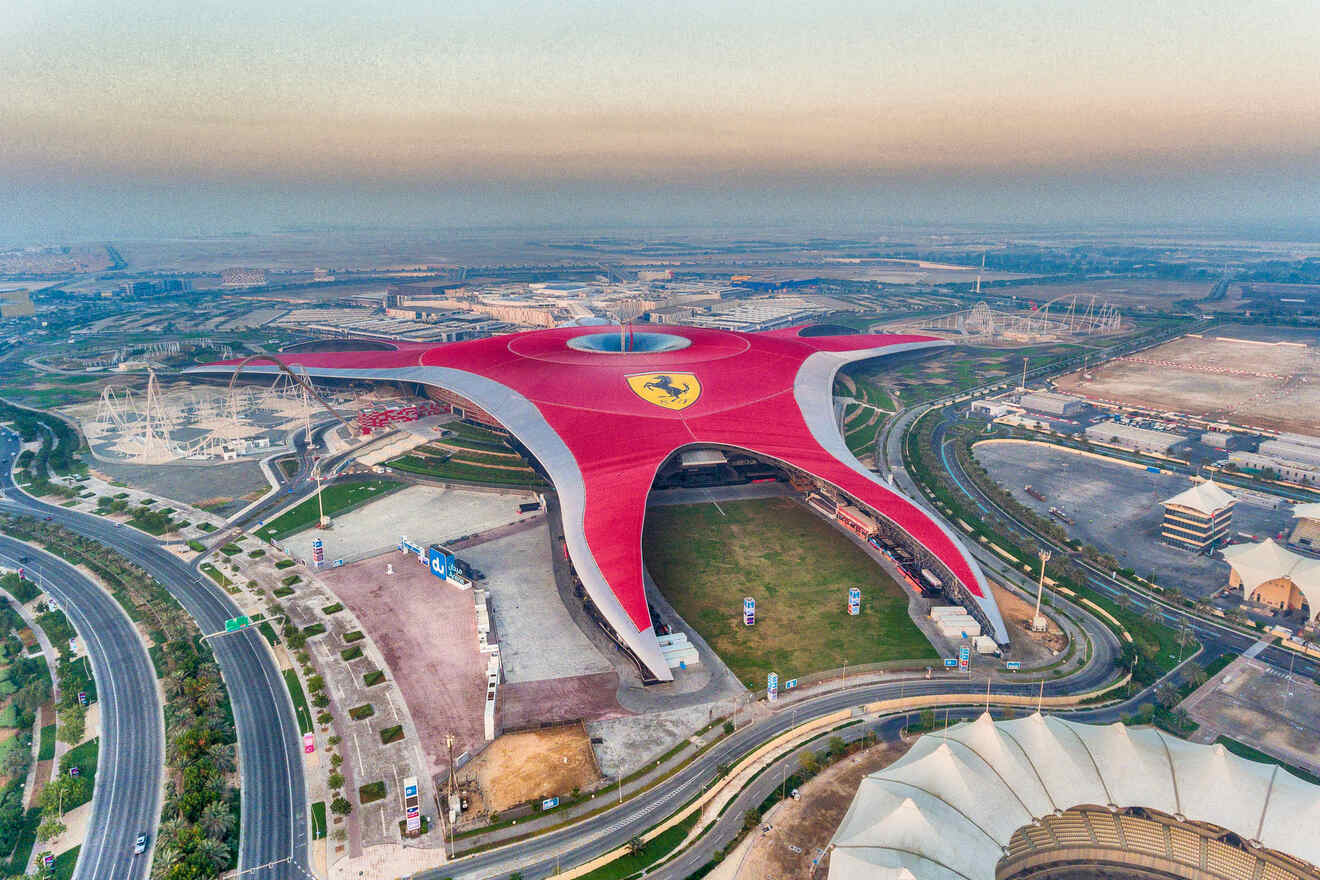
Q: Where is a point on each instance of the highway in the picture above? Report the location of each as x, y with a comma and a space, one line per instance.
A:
126, 796
273, 825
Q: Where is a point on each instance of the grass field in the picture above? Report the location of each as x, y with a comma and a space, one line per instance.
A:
798, 568
300, 709
338, 498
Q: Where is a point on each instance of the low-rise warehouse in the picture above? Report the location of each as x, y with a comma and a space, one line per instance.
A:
1053, 404
1132, 437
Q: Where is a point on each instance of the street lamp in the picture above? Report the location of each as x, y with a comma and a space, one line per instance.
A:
1038, 622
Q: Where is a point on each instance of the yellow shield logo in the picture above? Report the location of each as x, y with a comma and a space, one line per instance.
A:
670, 390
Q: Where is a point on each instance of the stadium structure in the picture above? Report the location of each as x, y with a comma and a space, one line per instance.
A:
1041, 797
601, 411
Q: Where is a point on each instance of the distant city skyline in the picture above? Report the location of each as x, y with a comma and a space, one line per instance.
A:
122, 116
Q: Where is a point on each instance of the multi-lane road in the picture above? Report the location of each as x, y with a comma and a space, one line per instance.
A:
126, 795
273, 825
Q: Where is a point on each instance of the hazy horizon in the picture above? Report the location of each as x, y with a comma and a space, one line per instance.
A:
125, 118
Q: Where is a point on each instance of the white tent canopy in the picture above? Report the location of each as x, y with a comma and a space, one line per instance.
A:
1204, 498
1266, 561
949, 807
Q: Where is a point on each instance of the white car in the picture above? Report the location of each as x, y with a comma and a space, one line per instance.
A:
140, 844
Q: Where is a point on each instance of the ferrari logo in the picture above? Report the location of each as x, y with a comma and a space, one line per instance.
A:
670, 390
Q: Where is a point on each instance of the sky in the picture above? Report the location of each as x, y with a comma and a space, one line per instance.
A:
203, 116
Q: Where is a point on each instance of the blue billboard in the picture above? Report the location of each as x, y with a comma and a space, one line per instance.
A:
441, 563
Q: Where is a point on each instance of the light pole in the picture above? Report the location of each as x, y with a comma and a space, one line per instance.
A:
1037, 623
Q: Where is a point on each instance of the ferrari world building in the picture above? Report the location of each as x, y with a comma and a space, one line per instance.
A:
603, 410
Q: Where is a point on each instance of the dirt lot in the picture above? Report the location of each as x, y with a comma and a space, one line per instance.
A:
1028, 646
810, 822
1271, 385
427, 632
538, 764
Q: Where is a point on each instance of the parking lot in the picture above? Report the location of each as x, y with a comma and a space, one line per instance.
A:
1116, 508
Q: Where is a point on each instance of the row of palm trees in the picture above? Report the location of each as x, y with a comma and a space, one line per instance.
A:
196, 840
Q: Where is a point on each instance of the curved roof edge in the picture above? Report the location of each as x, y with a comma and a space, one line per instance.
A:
813, 390
521, 417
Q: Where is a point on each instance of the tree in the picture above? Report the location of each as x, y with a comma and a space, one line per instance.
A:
927, 719
340, 806
1196, 674
636, 845
216, 820
72, 724
836, 745
213, 852
50, 827
1168, 695
810, 764
751, 819
336, 780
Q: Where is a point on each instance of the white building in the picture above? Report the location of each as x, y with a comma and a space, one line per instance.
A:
1052, 404
999, 798
1132, 437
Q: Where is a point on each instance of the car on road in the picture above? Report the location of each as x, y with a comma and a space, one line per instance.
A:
140, 844
46, 517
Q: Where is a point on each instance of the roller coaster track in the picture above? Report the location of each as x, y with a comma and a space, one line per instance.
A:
284, 368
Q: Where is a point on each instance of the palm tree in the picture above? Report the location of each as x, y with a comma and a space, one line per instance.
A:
1167, 695
216, 821
1196, 674
207, 690
213, 851
636, 845
222, 756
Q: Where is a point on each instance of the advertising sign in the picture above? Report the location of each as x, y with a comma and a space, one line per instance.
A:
410, 787
439, 561
963, 664
964, 652
749, 611
1013, 665
772, 687
790, 684
549, 803
82, 698
414, 824
318, 553
854, 601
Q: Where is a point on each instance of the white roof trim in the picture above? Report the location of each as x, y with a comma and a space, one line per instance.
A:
958, 822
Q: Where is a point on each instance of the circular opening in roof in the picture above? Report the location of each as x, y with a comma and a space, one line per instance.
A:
628, 343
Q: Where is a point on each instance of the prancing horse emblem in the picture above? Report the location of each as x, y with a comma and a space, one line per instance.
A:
670, 390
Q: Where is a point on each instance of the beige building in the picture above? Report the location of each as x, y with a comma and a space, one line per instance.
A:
1274, 575
1306, 533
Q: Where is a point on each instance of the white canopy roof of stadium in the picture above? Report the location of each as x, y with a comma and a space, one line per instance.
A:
1258, 563
1204, 497
947, 809
1307, 511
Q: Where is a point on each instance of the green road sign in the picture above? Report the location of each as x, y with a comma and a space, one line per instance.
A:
234, 624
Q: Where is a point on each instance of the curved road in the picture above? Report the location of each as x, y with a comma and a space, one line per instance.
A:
126, 796
273, 825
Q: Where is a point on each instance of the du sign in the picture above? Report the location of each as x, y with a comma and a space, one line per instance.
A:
439, 562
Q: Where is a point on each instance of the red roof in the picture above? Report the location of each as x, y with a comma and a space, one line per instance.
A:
619, 440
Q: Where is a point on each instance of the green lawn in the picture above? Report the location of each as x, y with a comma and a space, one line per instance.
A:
469, 473
65, 863
318, 820
337, 498
84, 757
299, 701
655, 849
798, 568
46, 750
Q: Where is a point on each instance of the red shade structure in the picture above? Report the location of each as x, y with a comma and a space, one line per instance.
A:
602, 410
